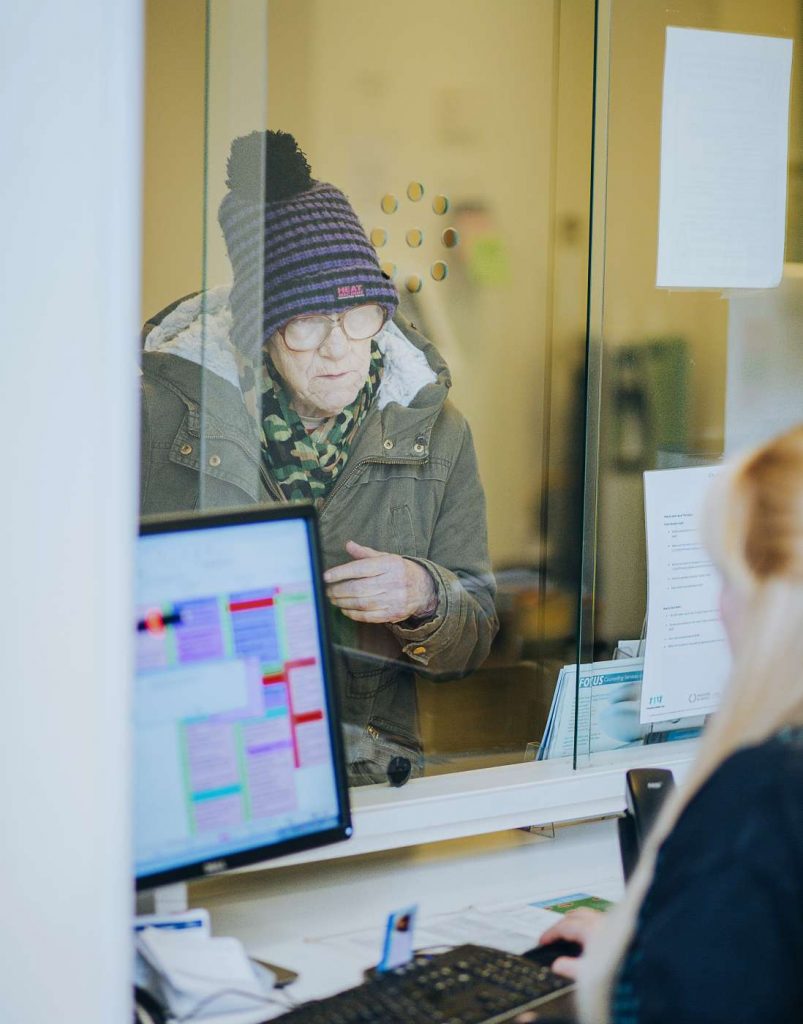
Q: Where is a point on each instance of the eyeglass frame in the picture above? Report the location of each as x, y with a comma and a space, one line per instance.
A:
335, 320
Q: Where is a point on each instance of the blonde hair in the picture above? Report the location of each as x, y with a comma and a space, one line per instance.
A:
754, 532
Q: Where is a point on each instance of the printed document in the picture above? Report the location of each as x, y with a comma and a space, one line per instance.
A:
686, 658
724, 141
511, 926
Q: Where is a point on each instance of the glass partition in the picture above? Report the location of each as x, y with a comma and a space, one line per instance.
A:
438, 320
676, 378
391, 325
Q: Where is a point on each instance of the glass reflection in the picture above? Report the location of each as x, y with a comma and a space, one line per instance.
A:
490, 315
315, 382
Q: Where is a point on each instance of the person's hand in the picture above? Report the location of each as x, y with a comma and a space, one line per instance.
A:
380, 587
576, 926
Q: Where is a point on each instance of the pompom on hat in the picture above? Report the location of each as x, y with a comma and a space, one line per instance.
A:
296, 245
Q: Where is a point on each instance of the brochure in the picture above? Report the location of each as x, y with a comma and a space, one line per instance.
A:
607, 716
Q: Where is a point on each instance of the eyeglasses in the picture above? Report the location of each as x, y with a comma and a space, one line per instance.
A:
304, 333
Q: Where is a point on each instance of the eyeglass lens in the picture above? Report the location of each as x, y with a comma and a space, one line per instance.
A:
359, 323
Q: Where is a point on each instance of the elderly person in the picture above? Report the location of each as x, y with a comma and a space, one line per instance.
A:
301, 383
710, 930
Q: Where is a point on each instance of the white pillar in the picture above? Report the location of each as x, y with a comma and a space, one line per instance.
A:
70, 82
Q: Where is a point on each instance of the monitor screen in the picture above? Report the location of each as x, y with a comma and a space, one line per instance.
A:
237, 748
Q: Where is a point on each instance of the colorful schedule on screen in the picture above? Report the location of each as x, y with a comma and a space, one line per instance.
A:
233, 744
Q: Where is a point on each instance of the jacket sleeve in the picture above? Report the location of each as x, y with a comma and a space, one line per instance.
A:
457, 639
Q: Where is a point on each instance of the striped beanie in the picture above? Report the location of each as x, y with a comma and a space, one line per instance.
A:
295, 244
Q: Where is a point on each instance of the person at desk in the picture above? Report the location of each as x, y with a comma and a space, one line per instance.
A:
710, 930
307, 386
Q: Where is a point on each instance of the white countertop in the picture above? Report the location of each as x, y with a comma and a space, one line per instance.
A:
281, 915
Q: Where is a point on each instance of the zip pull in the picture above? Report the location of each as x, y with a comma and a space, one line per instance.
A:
270, 484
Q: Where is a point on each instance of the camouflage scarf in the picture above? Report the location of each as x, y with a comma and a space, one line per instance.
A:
305, 466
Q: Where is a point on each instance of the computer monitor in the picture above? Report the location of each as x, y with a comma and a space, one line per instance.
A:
237, 745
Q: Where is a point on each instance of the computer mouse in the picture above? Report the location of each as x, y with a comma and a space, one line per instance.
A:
550, 951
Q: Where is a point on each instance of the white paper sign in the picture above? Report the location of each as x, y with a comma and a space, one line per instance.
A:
724, 141
686, 658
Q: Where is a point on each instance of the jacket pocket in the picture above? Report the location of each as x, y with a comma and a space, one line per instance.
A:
401, 523
370, 682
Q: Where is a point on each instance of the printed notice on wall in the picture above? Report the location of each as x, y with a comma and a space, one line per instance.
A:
686, 658
724, 141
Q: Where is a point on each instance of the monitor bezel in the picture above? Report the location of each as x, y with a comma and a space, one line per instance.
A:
207, 868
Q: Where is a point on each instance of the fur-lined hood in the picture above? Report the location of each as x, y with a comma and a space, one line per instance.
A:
198, 328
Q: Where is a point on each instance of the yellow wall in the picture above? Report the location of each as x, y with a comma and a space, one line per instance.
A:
174, 154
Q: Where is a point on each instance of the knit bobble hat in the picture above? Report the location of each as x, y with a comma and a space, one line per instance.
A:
295, 244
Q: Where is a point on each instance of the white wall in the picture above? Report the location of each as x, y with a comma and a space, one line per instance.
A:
69, 208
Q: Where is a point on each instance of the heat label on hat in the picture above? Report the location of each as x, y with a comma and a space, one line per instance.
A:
350, 291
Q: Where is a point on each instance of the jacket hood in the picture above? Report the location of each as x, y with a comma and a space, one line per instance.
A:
198, 329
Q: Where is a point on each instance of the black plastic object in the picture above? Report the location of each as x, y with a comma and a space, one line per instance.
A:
146, 1009
646, 789
547, 954
399, 770
628, 844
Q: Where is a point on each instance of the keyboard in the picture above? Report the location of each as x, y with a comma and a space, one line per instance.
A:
467, 985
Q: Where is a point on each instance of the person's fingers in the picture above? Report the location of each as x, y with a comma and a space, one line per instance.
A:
369, 586
362, 603
576, 926
360, 550
567, 966
359, 569
553, 933
372, 616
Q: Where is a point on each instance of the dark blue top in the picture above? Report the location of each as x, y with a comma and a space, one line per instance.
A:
719, 938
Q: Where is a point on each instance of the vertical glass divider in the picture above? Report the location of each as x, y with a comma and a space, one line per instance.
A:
594, 347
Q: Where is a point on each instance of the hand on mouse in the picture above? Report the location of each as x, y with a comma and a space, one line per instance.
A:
576, 926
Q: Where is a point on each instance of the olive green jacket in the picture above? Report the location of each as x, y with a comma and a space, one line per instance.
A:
410, 487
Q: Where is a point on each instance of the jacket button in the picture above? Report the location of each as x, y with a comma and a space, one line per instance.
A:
419, 448
214, 460
419, 650
186, 449
387, 444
